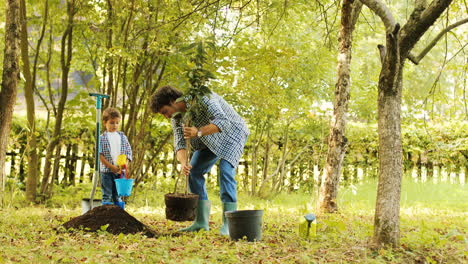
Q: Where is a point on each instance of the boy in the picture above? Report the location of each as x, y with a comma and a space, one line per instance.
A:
112, 143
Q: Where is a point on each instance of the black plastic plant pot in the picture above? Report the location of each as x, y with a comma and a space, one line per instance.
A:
245, 224
180, 206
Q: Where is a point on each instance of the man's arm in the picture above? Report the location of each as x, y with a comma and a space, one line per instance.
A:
182, 158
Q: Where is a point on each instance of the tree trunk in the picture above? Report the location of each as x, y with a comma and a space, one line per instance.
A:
109, 61
387, 211
399, 46
66, 174
55, 173
337, 141
387, 221
72, 166
82, 166
259, 129
13, 162
253, 183
10, 80
65, 60
430, 170
31, 182
466, 174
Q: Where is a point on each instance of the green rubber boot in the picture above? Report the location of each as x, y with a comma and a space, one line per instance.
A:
227, 207
201, 218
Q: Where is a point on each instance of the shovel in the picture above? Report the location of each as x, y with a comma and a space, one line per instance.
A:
93, 203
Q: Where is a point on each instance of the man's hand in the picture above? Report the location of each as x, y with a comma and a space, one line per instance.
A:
190, 132
186, 169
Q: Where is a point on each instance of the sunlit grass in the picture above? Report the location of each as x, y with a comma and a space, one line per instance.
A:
433, 229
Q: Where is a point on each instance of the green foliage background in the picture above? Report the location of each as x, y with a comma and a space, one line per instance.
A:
274, 62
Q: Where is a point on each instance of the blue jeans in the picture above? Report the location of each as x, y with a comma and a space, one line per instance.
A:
109, 190
202, 162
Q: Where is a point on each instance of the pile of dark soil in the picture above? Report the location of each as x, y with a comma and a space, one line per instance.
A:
119, 221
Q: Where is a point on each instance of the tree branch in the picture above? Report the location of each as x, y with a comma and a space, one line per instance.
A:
426, 50
419, 22
383, 12
382, 52
355, 12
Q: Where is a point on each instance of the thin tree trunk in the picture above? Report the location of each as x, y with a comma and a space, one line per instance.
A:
13, 162
81, 176
72, 166
22, 152
266, 156
66, 174
430, 170
31, 181
280, 182
245, 180
10, 80
337, 141
109, 62
66, 57
55, 173
259, 129
466, 174
253, 186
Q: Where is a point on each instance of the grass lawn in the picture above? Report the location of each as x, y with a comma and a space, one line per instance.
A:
433, 230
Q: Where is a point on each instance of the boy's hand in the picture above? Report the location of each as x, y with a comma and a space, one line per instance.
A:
115, 169
186, 169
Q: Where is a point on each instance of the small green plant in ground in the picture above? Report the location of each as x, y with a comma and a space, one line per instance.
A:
431, 232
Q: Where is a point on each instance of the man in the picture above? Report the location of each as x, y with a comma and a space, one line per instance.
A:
217, 133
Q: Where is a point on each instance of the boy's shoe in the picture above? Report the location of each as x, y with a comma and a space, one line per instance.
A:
120, 204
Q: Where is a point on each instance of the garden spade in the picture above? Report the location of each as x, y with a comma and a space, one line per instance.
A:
99, 98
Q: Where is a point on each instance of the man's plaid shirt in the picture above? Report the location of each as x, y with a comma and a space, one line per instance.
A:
104, 149
229, 143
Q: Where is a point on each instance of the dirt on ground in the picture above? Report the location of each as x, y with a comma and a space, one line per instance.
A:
117, 219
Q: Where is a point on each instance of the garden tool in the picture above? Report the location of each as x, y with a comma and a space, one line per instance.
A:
99, 98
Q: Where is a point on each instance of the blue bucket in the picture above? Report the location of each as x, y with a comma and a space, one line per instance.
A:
124, 186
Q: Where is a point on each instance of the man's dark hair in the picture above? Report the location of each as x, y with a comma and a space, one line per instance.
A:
164, 95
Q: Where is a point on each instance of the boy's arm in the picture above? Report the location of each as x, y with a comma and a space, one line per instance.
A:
127, 149
112, 167
128, 167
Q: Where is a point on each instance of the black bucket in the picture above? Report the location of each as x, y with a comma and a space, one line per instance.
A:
245, 223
